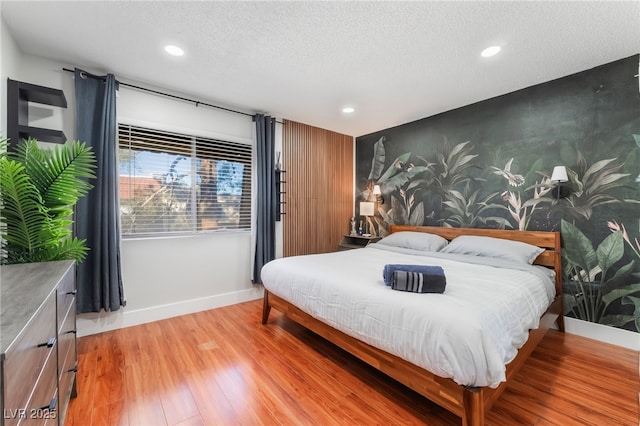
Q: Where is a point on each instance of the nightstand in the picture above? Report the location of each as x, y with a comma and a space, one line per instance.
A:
356, 241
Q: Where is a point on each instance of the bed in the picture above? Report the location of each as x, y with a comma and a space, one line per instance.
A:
458, 348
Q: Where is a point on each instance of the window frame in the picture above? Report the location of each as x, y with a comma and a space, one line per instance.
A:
195, 135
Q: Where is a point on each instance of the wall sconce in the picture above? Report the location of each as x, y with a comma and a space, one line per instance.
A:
367, 209
378, 193
558, 177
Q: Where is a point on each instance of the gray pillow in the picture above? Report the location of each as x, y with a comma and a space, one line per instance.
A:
514, 251
422, 241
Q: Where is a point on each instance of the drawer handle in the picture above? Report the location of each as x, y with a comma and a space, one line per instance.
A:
51, 406
74, 331
73, 370
49, 343
72, 292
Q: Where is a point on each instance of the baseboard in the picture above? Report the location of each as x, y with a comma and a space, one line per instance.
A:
603, 333
88, 324
95, 323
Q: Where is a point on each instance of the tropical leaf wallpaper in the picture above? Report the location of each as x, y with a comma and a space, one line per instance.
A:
488, 165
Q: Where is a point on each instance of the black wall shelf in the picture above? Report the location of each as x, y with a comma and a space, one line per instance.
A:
19, 95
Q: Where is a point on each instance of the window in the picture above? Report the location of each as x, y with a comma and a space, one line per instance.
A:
172, 183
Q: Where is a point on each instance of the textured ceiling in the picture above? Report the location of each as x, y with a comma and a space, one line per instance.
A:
394, 62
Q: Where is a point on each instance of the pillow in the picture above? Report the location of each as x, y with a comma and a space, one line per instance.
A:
414, 240
514, 251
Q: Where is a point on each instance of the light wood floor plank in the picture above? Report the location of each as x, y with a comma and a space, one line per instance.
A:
222, 367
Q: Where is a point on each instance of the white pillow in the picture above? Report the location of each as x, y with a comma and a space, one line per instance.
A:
514, 251
414, 240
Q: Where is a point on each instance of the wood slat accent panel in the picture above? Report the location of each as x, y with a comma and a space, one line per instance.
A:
319, 188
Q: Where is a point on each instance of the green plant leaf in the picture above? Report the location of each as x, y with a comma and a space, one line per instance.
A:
377, 162
397, 181
417, 184
569, 302
27, 222
395, 167
619, 293
616, 320
456, 149
623, 270
596, 168
4, 143
636, 313
499, 220
38, 189
610, 250
398, 212
577, 249
59, 174
417, 215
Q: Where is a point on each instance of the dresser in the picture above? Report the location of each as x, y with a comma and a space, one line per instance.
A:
38, 337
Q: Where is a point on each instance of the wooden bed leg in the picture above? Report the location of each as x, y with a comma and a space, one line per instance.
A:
266, 308
560, 322
473, 407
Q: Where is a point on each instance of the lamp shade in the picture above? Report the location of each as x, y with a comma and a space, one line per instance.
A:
559, 174
367, 208
376, 190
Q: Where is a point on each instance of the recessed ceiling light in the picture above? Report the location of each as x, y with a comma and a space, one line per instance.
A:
348, 110
173, 50
490, 51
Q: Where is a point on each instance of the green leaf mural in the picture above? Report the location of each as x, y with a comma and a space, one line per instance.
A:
465, 211
636, 314
498, 176
586, 273
594, 186
377, 162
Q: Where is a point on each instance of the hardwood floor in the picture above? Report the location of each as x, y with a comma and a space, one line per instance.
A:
222, 367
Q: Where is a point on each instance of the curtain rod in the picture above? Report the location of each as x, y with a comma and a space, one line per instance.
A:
168, 95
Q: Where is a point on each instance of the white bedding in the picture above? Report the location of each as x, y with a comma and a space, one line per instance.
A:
468, 333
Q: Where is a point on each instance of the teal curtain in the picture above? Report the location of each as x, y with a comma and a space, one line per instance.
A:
97, 217
265, 250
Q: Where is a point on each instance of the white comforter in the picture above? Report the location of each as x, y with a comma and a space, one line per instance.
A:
468, 333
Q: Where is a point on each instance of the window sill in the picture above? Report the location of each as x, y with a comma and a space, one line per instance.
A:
200, 234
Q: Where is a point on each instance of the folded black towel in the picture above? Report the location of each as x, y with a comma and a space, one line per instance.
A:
387, 272
432, 281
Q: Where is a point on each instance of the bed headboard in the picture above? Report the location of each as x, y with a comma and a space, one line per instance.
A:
548, 240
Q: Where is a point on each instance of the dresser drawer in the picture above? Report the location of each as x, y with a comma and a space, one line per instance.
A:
67, 334
67, 379
66, 294
25, 359
67, 341
44, 402
67, 354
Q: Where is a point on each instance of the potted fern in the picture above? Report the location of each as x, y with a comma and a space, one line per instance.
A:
39, 187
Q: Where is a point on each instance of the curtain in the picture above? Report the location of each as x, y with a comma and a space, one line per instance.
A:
265, 248
97, 217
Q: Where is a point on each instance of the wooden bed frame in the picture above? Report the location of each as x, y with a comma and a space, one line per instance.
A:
469, 403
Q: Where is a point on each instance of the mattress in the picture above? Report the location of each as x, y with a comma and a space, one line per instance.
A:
468, 333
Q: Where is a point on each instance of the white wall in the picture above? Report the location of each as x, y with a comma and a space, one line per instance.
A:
30, 69
162, 277
48, 73
9, 64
